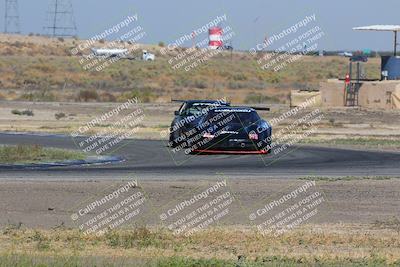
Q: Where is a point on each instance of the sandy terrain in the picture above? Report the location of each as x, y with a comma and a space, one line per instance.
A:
46, 204
337, 123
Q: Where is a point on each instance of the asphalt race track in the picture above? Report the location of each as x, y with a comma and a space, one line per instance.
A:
152, 159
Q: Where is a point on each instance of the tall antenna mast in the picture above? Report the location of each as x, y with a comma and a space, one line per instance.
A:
11, 17
60, 19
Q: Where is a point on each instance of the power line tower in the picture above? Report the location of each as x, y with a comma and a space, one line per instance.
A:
11, 24
60, 19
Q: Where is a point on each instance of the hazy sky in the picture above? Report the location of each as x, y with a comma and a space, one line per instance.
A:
250, 20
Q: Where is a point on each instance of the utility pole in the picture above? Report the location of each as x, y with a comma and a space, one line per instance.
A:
11, 17
55, 18
60, 19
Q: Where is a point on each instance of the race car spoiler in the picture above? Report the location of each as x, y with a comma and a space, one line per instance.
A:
257, 108
183, 101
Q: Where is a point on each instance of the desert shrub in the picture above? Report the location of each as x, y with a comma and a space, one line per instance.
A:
161, 44
87, 95
59, 115
27, 113
60, 39
15, 112
145, 95
139, 237
239, 77
236, 85
181, 82
43, 67
120, 75
18, 44
256, 98
392, 223
274, 79
7, 51
107, 97
331, 75
43, 95
42, 241
188, 82
200, 84
23, 112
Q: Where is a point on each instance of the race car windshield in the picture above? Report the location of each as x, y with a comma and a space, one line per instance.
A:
244, 118
195, 110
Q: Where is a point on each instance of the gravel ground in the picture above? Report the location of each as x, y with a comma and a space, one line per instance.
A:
46, 204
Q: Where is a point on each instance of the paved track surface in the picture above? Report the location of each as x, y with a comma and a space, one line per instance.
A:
153, 160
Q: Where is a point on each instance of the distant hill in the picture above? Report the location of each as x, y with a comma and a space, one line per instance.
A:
39, 68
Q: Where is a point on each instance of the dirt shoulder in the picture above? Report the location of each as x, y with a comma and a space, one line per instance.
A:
358, 224
360, 127
46, 204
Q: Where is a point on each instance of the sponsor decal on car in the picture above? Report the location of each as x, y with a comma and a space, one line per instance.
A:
233, 110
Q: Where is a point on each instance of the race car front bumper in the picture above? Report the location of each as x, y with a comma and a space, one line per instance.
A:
234, 152
232, 146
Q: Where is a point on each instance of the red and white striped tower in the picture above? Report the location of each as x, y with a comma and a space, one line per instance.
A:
215, 38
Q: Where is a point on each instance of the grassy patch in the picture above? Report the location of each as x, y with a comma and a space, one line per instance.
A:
22, 112
344, 178
392, 223
150, 81
361, 141
341, 245
76, 261
36, 153
257, 98
139, 237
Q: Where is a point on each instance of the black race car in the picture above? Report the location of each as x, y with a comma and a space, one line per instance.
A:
215, 127
233, 130
188, 117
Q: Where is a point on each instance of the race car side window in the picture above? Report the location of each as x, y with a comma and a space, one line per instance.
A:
182, 108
